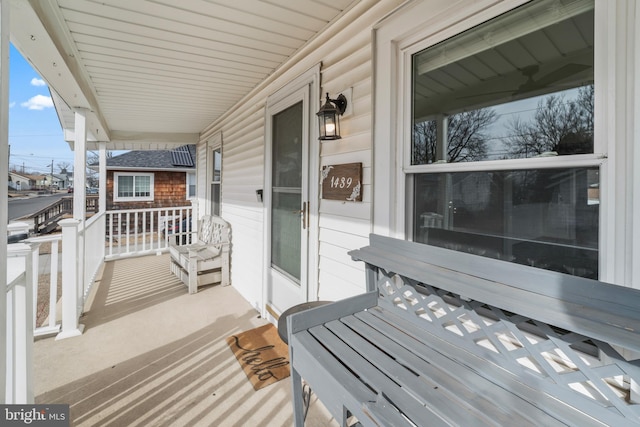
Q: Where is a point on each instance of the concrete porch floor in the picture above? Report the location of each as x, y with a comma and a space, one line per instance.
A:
153, 355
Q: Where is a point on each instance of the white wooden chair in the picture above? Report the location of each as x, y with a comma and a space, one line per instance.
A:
206, 260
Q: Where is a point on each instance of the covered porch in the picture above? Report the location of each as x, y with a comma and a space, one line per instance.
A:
151, 354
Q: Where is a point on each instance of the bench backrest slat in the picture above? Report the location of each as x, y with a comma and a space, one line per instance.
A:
213, 230
600, 310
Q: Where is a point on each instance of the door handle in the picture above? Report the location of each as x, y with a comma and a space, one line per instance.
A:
303, 211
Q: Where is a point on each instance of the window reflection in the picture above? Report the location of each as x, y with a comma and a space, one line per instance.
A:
519, 86
544, 218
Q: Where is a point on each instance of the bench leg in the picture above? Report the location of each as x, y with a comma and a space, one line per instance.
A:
298, 405
193, 274
225, 267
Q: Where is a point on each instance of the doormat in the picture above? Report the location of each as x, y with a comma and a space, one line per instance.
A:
262, 354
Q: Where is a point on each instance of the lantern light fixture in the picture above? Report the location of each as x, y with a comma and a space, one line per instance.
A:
329, 117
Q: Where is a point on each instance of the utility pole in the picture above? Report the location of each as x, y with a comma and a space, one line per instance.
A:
51, 180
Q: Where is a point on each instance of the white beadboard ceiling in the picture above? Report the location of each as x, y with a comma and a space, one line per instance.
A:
157, 72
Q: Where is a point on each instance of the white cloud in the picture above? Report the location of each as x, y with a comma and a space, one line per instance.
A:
37, 82
38, 102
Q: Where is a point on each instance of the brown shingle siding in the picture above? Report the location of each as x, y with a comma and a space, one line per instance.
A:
170, 189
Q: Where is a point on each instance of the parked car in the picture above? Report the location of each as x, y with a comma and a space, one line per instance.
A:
92, 190
182, 225
70, 190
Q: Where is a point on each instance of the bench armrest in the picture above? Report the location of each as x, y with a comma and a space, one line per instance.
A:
319, 315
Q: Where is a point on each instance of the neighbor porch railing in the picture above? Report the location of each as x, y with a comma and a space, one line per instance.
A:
46, 220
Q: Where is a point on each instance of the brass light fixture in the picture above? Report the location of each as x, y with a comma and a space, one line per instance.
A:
329, 117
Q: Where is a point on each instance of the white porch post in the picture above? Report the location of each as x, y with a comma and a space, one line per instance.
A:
19, 389
80, 165
4, 195
80, 193
102, 175
70, 279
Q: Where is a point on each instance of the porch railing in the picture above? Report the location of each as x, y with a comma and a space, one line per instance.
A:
94, 237
19, 345
144, 231
107, 235
45, 293
46, 219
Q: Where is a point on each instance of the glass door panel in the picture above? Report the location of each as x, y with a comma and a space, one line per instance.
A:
286, 191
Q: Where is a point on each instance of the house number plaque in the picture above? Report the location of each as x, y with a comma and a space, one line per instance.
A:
342, 182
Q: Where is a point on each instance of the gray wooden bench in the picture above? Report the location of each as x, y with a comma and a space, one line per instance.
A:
443, 339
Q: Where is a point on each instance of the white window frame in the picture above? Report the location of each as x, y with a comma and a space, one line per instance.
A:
191, 178
395, 45
117, 175
213, 145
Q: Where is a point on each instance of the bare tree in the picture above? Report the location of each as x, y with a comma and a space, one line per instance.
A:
559, 125
63, 166
424, 143
466, 137
93, 160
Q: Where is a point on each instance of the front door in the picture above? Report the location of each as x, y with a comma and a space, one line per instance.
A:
287, 201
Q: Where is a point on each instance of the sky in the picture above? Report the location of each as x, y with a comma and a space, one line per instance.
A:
35, 135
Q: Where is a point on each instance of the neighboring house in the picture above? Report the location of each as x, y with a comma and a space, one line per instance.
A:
151, 179
417, 75
58, 181
20, 182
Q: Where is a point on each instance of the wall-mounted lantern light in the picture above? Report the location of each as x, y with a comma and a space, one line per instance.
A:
329, 117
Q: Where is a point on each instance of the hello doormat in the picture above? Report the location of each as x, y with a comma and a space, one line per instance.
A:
262, 354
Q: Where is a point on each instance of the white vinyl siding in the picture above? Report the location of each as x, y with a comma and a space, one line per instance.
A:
243, 172
346, 226
346, 68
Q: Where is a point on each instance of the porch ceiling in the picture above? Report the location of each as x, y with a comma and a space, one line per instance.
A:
155, 73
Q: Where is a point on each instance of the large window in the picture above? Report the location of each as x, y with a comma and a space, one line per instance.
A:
501, 156
133, 187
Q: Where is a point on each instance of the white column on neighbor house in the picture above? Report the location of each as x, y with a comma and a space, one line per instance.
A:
4, 173
102, 176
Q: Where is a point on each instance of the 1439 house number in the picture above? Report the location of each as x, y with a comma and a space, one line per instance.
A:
342, 182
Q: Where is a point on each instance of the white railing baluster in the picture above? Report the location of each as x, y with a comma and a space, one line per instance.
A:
53, 288
135, 230
144, 231
128, 228
35, 264
110, 216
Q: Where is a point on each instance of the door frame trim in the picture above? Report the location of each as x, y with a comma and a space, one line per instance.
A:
310, 80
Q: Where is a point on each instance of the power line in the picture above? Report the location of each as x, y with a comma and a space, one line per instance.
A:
35, 134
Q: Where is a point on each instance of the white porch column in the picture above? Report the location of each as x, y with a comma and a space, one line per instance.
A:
102, 176
71, 279
4, 172
80, 165
79, 195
